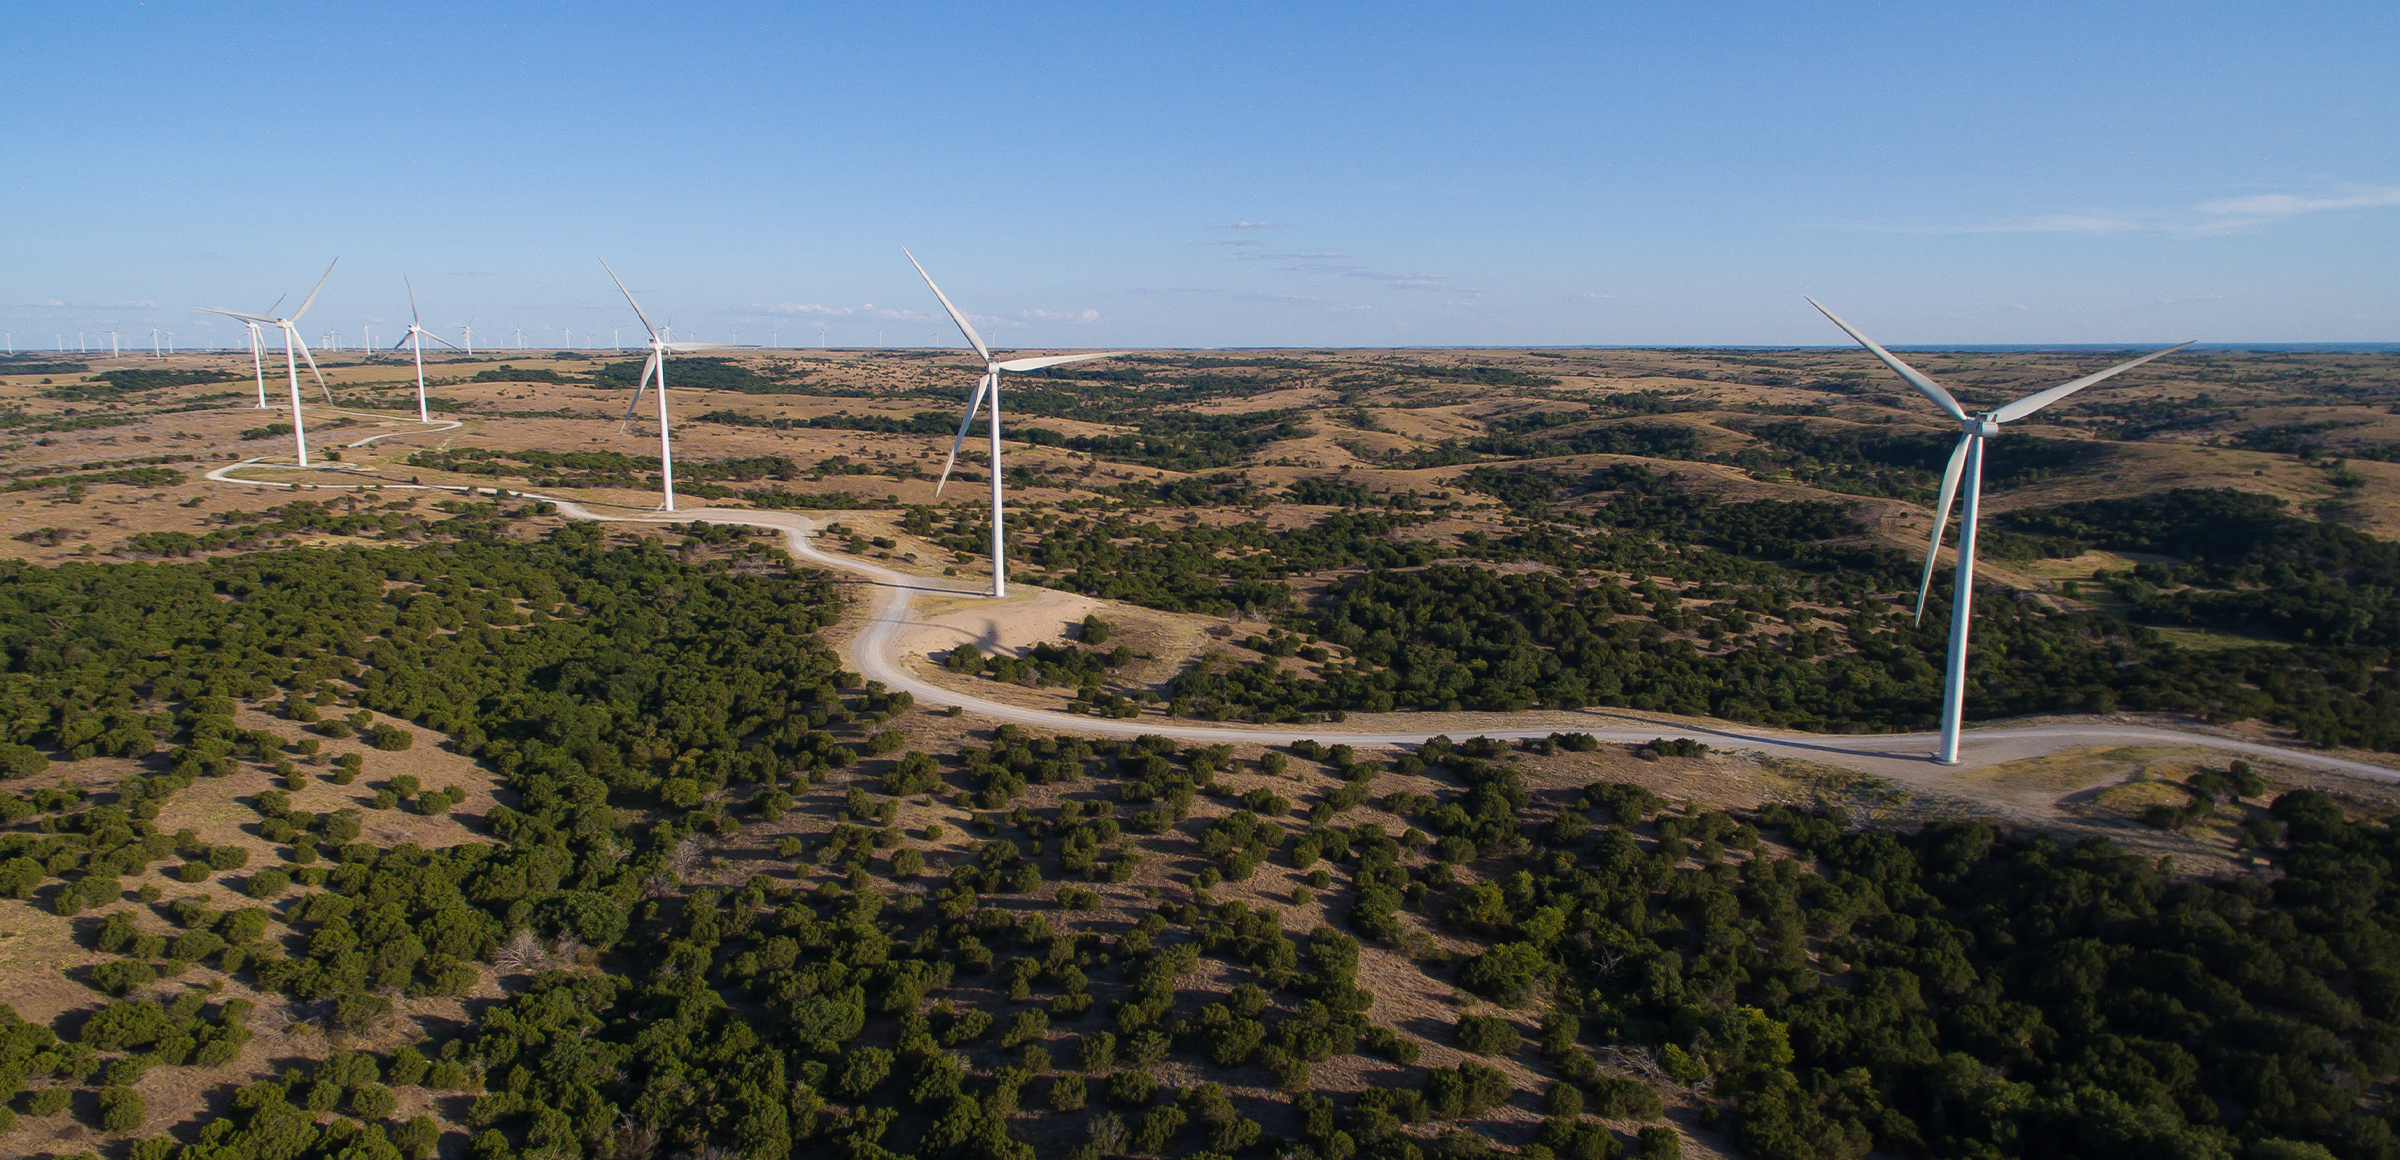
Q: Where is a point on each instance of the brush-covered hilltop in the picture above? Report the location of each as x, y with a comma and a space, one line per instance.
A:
351, 817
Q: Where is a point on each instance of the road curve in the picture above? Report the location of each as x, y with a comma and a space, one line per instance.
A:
874, 654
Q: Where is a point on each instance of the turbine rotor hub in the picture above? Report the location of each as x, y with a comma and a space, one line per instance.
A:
1979, 425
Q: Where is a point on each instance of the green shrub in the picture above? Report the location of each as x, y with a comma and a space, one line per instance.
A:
122, 1109
417, 1138
1618, 1098
1465, 1092
390, 738
1486, 1035
267, 883
48, 1101
373, 1101
119, 976
1131, 1089
1066, 1093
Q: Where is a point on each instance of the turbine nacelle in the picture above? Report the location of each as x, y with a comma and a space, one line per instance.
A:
1979, 425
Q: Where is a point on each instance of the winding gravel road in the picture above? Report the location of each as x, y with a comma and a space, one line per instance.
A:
874, 654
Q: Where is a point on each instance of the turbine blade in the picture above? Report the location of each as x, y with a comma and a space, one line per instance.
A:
973, 339
440, 339
312, 294
1941, 519
2035, 402
231, 314
1916, 378
649, 368
1035, 364
404, 339
973, 405
294, 335
413, 316
637, 307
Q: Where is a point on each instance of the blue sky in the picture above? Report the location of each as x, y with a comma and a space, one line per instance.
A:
1225, 174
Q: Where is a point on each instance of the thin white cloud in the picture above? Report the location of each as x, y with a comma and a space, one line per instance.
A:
862, 310
61, 304
2222, 216
2289, 204
1254, 225
1077, 316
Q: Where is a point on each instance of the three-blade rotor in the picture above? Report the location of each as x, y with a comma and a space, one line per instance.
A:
989, 383
291, 333
1975, 427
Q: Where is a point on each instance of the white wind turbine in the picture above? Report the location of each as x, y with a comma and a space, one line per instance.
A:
990, 381
258, 366
291, 340
1966, 462
656, 365
415, 340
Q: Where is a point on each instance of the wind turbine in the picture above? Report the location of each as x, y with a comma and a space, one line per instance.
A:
467, 333
415, 339
112, 345
1966, 462
990, 381
291, 339
258, 366
154, 342
656, 365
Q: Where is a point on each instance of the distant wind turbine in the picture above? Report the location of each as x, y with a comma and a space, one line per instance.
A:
258, 366
1966, 462
292, 340
112, 345
415, 340
655, 365
990, 381
154, 351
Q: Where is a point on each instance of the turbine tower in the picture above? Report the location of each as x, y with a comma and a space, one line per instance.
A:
415, 340
990, 381
292, 340
1966, 462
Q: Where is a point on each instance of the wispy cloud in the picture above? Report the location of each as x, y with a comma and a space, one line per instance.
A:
862, 310
1242, 295
2288, 204
62, 304
2221, 216
1254, 225
1078, 316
